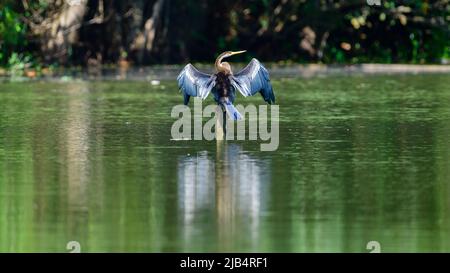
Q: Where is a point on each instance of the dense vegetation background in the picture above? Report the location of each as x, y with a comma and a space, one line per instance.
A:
144, 32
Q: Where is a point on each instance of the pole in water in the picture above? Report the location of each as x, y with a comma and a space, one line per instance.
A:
224, 121
221, 123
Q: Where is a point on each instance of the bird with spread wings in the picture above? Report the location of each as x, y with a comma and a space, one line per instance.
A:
223, 84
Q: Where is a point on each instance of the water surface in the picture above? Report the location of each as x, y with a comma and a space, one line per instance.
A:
360, 158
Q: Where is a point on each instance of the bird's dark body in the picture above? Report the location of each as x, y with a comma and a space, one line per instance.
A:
223, 91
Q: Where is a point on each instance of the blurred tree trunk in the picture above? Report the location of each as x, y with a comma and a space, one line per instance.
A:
58, 31
143, 43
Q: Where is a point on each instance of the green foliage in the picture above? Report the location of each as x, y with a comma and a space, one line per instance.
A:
344, 31
12, 36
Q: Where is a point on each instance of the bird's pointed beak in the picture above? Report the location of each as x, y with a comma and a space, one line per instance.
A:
237, 52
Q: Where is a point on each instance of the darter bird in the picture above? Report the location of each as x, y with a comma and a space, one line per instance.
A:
223, 84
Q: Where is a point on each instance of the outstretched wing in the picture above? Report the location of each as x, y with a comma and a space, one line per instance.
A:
195, 83
252, 79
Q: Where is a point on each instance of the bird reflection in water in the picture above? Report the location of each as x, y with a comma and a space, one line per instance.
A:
221, 197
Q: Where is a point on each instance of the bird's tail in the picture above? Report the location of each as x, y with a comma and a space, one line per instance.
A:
232, 111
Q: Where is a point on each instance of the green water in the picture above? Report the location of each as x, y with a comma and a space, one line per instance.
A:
361, 158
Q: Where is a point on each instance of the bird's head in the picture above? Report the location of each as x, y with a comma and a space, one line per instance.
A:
224, 66
227, 54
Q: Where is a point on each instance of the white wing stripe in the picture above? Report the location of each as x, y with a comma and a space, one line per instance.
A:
190, 76
255, 71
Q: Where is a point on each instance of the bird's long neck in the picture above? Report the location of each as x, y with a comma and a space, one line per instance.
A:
219, 66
